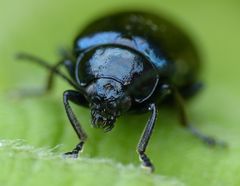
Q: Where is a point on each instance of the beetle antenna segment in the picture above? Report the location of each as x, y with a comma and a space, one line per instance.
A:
28, 57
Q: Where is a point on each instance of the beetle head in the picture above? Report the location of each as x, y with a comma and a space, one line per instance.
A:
107, 101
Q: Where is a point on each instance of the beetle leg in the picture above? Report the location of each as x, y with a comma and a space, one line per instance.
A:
184, 121
190, 90
70, 68
74, 96
52, 69
22, 93
50, 79
143, 142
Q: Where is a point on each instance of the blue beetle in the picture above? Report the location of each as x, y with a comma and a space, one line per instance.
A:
128, 62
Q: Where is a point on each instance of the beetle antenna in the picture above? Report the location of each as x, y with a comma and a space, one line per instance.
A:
43, 63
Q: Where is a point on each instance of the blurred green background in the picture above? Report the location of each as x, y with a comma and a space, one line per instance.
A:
41, 27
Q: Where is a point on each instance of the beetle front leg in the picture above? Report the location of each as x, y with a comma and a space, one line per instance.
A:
143, 142
74, 96
185, 123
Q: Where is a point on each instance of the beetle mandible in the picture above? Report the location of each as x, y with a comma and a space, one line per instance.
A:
128, 62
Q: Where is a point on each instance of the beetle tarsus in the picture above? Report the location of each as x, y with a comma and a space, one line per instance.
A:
74, 153
208, 140
146, 162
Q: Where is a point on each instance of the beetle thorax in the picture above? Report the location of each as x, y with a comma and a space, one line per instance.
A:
107, 100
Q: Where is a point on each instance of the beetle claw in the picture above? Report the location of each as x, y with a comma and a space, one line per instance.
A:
146, 163
70, 155
148, 168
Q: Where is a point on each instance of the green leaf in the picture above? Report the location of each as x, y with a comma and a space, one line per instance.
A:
41, 27
29, 166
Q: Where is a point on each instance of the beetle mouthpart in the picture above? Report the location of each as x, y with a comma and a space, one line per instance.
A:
104, 123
